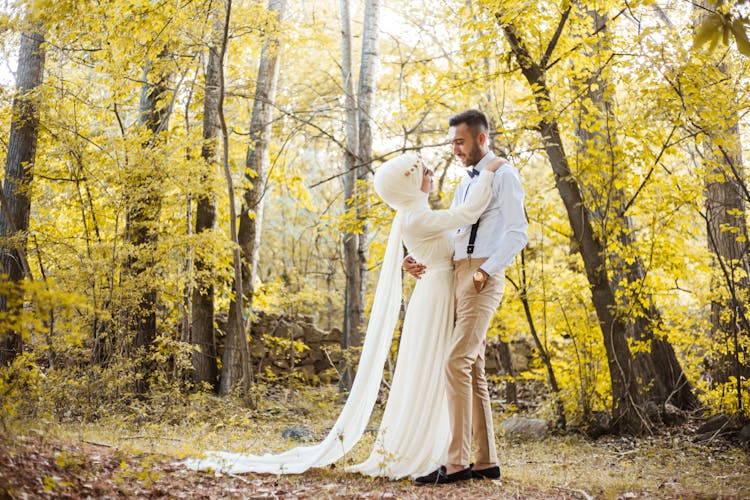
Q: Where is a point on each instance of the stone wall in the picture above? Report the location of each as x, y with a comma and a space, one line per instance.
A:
277, 349
282, 346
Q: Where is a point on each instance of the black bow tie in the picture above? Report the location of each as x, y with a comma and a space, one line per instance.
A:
472, 173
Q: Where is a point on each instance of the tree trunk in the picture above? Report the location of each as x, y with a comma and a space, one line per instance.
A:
357, 181
505, 360
365, 97
728, 241
726, 227
628, 400
19, 165
353, 298
142, 217
236, 371
205, 365
658, 367
251, 218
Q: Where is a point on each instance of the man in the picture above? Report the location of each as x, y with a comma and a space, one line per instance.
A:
479, 264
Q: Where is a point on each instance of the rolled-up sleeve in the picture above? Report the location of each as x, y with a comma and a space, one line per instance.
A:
513, 236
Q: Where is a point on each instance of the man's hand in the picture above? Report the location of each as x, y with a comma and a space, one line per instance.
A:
496, 163
480, 279
413, 267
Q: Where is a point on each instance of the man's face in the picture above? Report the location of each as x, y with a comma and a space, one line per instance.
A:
466, 147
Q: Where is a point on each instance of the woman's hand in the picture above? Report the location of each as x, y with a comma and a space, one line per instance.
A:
411, 266
495, 163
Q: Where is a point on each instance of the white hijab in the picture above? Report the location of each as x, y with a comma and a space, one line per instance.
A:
397, 182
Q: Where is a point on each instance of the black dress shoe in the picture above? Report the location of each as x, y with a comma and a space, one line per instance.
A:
439, 476
488, 473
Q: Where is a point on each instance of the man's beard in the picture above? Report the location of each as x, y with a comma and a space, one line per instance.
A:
474, 156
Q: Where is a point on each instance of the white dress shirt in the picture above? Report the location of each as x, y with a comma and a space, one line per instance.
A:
503, 226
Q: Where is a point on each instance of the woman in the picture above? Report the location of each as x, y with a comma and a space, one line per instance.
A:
416, 402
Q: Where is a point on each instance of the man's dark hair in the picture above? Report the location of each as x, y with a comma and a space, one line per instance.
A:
473, 118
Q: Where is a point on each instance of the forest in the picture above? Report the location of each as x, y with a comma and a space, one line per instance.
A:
191, 240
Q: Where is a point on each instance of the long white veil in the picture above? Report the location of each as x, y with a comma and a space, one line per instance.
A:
353, 419
398, 182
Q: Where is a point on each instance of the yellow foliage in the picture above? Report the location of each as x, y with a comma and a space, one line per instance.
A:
646, 124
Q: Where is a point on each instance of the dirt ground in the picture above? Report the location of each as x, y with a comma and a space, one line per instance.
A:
36, 467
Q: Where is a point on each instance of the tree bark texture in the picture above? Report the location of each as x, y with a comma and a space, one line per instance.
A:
19, 166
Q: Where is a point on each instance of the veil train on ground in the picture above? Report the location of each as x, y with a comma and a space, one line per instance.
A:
356, 412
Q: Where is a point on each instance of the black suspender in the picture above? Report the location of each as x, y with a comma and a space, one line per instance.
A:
475, 226
472, 239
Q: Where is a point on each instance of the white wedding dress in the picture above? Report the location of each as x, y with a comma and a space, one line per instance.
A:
414, 433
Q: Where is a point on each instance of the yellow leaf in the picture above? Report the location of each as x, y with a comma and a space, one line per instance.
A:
740, 36
710, 30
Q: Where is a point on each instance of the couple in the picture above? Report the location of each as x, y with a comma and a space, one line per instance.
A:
438, 395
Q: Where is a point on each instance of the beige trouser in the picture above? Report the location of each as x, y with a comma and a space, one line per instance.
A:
468, 396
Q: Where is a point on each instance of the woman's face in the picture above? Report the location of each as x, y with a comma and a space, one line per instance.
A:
427, 184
